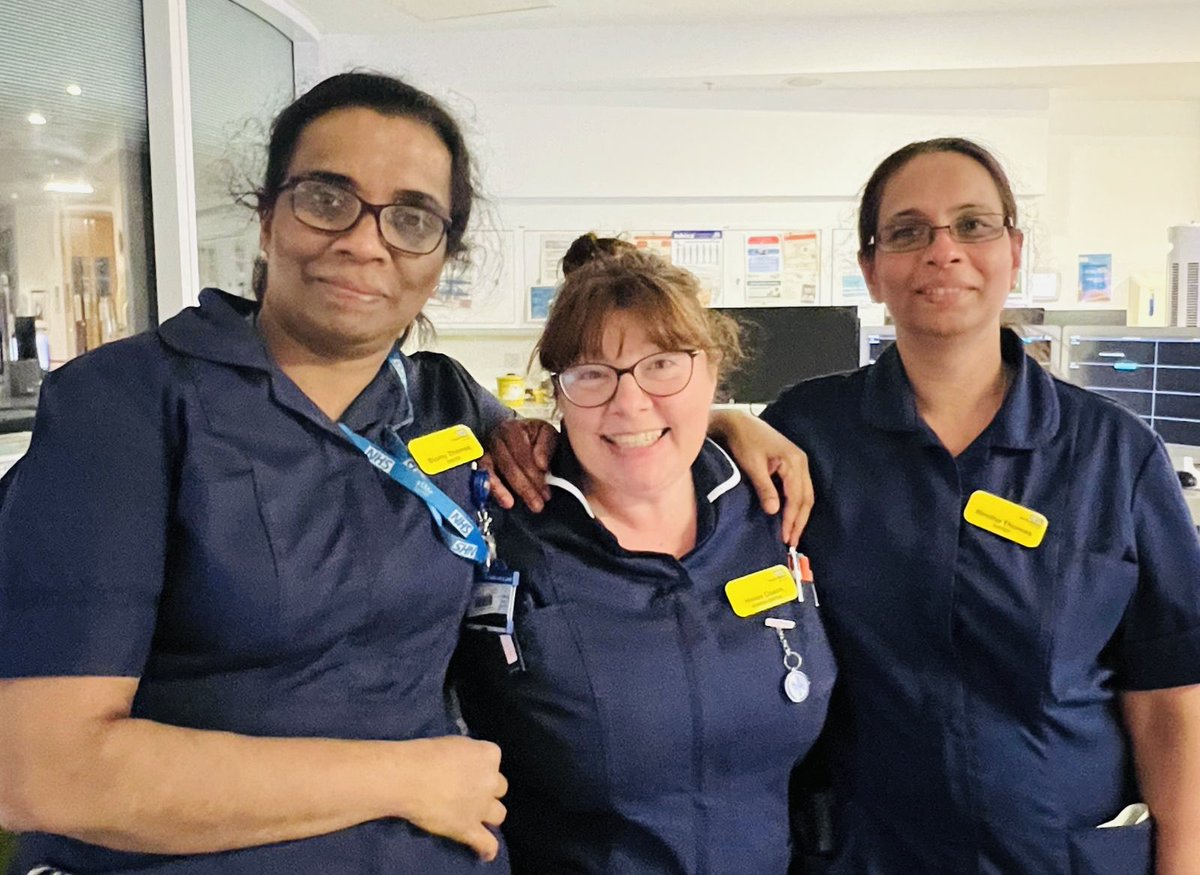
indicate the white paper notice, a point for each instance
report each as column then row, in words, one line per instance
column 701, row 252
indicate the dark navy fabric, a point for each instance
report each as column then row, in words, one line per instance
column 186, row 515
column 976, row 728
column 649, row 731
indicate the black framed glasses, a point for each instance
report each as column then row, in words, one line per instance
column 910, row 235
column 659, row 374
column 334, row 208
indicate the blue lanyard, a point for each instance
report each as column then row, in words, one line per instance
column 466, row 540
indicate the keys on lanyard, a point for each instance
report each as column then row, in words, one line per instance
column 494, row 598
column 796, row 684
column 481, row 491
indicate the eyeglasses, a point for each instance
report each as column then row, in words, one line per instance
column 659, row 374
column 909, row 236
column 328, row 207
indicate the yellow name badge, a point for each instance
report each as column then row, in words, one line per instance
column 761, row 590
column 442, row 450
column 1005, row 518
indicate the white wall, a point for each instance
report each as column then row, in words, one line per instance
column 1120, row 173
column 584, row 129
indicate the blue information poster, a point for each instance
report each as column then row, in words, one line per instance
column 1095, row 278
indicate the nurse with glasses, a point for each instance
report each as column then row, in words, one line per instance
column 224, row 633
column 662, row 678
column 1010, row 577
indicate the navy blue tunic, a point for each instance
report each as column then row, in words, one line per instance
column 186, row 515
column 976, row 729
column 649, row 731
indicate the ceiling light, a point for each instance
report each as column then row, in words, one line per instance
column 13, row 195
column 36, row 118
column 74, row 90
column 802, row 82
column 68, row 187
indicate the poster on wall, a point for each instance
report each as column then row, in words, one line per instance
column 782, row 267
column 658, row 242
column 703, row 253
column 801, row 266
column 1095, row 278
column 482, row 293
column 849, row 285
column 764, row 268
column 538, row 303
column 552, row 246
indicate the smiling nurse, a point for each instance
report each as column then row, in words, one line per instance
column 225, row 635
column 646, row 727
column 999, row 699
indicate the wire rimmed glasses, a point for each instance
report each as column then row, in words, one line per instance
column 910, row 235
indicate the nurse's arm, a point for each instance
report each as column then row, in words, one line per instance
column 763, row 453
column 73, row 762
column 1165, row 728
column 518, row 459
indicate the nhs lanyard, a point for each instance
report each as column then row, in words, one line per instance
column 454, row 526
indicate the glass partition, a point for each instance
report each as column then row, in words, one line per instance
column 241, row 75
column 75, row 267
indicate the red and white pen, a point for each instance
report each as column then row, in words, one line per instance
column 801, row 570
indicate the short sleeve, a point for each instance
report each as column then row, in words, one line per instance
column 1159, row 645
column 84, row 520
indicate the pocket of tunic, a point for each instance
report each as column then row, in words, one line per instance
column 1121, row 850
column 541, row 631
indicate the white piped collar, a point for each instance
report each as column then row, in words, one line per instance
column 732, row 479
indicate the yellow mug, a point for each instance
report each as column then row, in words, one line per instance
column 511, row 390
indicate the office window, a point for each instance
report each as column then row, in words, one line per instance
column 74, row 193
column 241, row 76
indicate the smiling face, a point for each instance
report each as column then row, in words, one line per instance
column 638, row 445
column 348, row 293
column 948, row 289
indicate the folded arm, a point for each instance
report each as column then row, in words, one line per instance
column 74, row 763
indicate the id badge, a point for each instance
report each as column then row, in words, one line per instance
column 493, row 600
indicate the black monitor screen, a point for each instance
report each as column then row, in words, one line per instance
column 787, row 344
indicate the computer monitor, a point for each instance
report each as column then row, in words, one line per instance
column 787, row 344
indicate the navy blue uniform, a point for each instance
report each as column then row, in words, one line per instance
column 977, row 727
column 648, row 731
column 186, row 515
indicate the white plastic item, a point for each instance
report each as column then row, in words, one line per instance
column 1183, row 276
column 1131, row 815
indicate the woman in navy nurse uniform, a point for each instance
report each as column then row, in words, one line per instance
column 1001, row 696
column 224, row 634
column 645, row 726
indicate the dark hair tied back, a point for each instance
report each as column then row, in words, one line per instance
column 589, row 247
column 387, row 96
column 872, row 197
